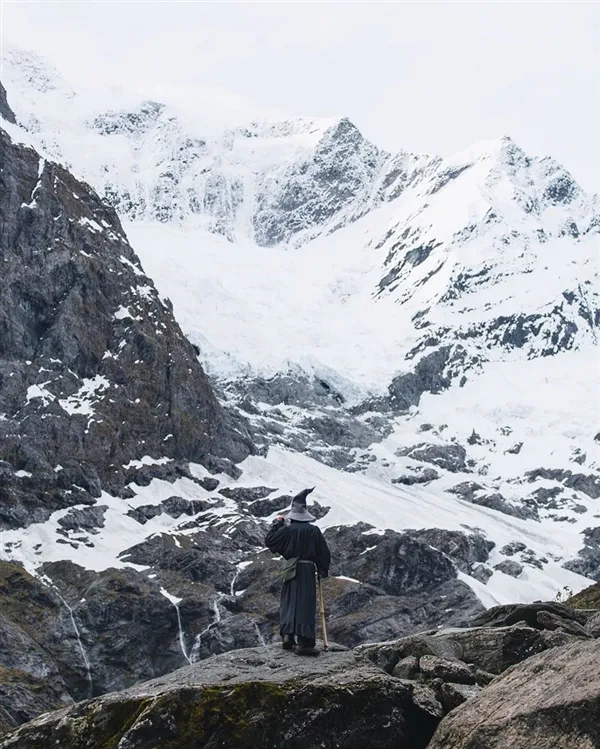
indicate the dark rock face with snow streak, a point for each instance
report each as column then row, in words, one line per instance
column 94, row 370
column 5, row 110
column 317, row 189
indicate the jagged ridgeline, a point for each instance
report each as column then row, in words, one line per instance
column 94, row 370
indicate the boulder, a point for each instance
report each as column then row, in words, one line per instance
column 481, row 572
column 593, row 625
column 491, row 649
column 502, row 616
column 587, row 562
column 548, row 620
column 261, row 697
column 513, row 548
column 549, row 701
column 262, row 508
column 318, row 510
column 144, row 513
column 497, row 502
column 421, row 477
column 452, row 695
column 449, row 457
column 465, row 549
column 586, row 483
column 246, row 494
column 509, row 567
column 177, row 506
column 434, row 667
column 483, row 678
column 406, row 668
column 208, row 483
column 466, row 489
column 86, row 518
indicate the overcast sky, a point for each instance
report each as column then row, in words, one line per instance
column 431, row 77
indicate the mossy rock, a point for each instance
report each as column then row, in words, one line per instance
column 586, row 599
column 371, row 712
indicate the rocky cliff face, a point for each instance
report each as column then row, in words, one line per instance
column 5, row 111
column 94, row 371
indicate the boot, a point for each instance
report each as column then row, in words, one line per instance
column 306, row 646
column 289, row 643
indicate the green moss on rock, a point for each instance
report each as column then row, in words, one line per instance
column 586, row 599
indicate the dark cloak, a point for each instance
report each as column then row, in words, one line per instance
column 298, row 606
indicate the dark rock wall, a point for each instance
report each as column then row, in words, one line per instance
column 94, row 369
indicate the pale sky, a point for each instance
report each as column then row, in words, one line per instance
column 427, row 77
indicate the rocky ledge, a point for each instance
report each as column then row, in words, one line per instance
column 496, row 686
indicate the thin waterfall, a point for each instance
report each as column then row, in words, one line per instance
column 259, row 634
column 195, row 652
column 241, row 566
column 176, row 601
column 84, row 657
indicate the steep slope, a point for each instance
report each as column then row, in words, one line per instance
column 95, row 372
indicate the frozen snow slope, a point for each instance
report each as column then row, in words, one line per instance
column 446, row 308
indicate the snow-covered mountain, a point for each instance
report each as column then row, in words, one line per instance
column 415, row 335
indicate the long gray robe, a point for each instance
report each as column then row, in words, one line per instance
column 298, row 606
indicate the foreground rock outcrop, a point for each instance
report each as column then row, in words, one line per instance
column 551, row 701
column 259, row 697
column 427, row 691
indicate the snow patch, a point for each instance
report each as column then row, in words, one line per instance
column 146, row 460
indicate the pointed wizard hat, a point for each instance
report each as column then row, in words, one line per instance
column 299, row 510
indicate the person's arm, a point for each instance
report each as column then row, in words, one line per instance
column 275, row 538
column 323, row 556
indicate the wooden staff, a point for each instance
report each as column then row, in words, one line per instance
column 322, row 613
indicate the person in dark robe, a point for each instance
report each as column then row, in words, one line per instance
column 306, row 552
